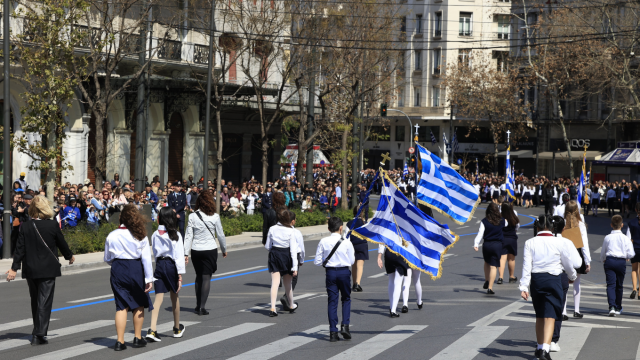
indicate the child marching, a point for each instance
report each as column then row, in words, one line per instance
column 616, row 249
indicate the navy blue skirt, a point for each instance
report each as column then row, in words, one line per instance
column 510, row 246
column 546, row 295
column 280, row 261
column 166, row 275
column 127, row 283
column 491, row 252
column 636, row 258
column 361, row 251
column 393, row 263
column 526, row 196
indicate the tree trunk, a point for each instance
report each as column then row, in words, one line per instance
column 218, row 160
column 265, row 160
column 564, row 136
column 100, row 167
column 302, row 152
column 50, row 182
column 345, row 163
column 495, row 150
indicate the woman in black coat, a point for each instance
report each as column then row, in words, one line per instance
column 37, row 253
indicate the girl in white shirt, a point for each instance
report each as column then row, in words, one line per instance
column 168, row 250
column 572, row 219
column 127, row 251
column 301, row 255
column 283, row 259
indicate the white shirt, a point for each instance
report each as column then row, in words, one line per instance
column 585, row 242
column 494, row 189
column 548, row 254
column 338, row 192
column 281, row 236
column 300, row 241
column 503, row 187
column 120, row 244
column 559, row 211
column 480, row 235
column 252, row 200
column 617, row 245
column 344, row 255
column 163, row 246
column 197, row 236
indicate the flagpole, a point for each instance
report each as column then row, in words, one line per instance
column 415, row 167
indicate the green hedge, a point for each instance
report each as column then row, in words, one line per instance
column 83, row 239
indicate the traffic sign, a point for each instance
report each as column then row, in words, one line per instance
column 459, row 161
column 411, row 150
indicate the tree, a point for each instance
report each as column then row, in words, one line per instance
column 46, row 48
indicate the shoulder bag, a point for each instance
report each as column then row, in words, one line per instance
column 45, row 244
column 335, row 247
column 207, row 226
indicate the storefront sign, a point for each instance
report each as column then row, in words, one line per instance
column 621, row 155
column 482, row 148
column 629, row 145
column 578, row 144
column 529, row 144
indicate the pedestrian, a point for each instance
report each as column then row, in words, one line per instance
column 558, row 227
column 168, row 250
column 595, row 200
column 633, row 233
column 336, row 255
column 270, row 216
column 573, row 220
column 200, row 242
column 509, row 242
column 548, row 198
column 544, row 259
column 491, row 232
column 616, row 249
column 127, row 251
column 611, row 199
column 297, row 235
column 283, row 260
column 36, row 252
column 360, row 246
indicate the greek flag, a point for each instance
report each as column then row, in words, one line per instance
column 477, row 170
column 509, row 175
column 405, row 230
column 405, row 172
column 293, row 168
column 433, row 138
column 582, row 176
column 443, row 189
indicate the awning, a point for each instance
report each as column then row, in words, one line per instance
column 620, row 157
column 576, row 155
column 291, row 154
column 527, row 154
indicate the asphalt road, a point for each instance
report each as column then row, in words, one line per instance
column 458, row 322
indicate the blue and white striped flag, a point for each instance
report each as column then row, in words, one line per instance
column 293, row 169
column 405, row 230
column 433, row 138
column 508, row 175
column 443, row 189
column 405, row 172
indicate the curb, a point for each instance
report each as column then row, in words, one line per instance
column 101, row 264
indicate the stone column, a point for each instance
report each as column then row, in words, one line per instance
column 158, row 155
column 275, row 170
column 246, row 156
column 121, row 157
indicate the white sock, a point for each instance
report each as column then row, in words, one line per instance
column 406, row 285
column 539, row 347
column 545, row 347
column 395, row 287
column 415, row 279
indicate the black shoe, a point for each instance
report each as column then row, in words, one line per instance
column 577, row 315
column 354, row 288
column 513, row 280
column 119, row 346
column 537, row 354
column 393, row 315
column 419, row 306
column 333, row 336
column 405, row 309
column 500, row 281
column 139, row 342
column 291, row 311
column 490, row 292
column 486, row 285
column 178, row 332
column 545, row 355
column 38, row 340
column 344, row 330
column 153, row 336
column 359, row 288
column 273, row 313
column 197, row 310
column 285, row 303
column 203, row 312
column 633, row 294
column 565, row 318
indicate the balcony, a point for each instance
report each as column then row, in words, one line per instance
column 90, row 37
column 170, row 50
column 436, row 72
column 201, row 54
column 424, row 111
column 132, row 43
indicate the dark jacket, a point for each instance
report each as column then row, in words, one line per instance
column 177, row 201
column 37, row 261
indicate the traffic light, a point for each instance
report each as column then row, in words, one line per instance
column 383, row 109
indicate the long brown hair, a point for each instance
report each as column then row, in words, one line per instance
column 206, row 203
column 572, row 215
column 278, row 200
column 134, row 221
column 509, row 214
column 493, row 214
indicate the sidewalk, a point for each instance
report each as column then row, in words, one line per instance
column 237, row 242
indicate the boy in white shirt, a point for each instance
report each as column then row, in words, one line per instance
column 616, row 249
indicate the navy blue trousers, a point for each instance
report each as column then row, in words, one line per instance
column 614, row 270
column 338, row 282
column 181, row 223
column 558, row 325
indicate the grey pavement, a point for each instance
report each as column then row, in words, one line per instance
column 458, row 321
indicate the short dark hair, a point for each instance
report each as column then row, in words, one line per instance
column 616, row 222
column 334, row 224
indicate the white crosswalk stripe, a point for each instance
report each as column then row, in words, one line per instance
column 200, row 341
column 101, row 343
column 573, row 340
column 377, row 275
column 18, row 324
column 13, row 343
column 379, row 343
column 289, row 343
column 267, row 306
column 470, row 344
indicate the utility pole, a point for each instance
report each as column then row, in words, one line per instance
column 355, row 173
column 6, row 199
column 451, row 133
column 207, row 119
column 140, row 121
column 310, row 118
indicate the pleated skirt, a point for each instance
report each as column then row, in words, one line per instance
column 510, row 246
column 546, row 295
column 393, row 263
column 166, row 275
column 127, row 283
column 280, row 261
column 491, row 252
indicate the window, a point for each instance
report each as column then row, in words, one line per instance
column 502, row 57
column 437, row 58
column 504, row 27
column 399, row 133
column 400, row 98
column 424, row 133
column 416, row 95
column 418, row 58
column 403, row 25
column 437, row 26
column 464, row 57
column 419, row 24
column 436, row 96
column 466, row 28
column 401, row 62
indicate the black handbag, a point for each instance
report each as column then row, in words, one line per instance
column 583, row 268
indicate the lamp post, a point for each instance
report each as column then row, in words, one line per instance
column 408, row 119
column 6, row 148
column 207, row 120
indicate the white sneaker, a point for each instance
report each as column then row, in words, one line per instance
column 152, row 336
column 554, row 347
column 612, row 311
column 618, row 312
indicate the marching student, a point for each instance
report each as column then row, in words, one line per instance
column 544, row 259
column 301, row 255
column 491, row 232
column 595, row 200
column 283, row 259
column 360, row 246
column 616, row 249
column 633, row 233
column 336, row 255
column 509, row 242
column 169, row 253
column 558, row 227
column 495, row 192
column 573, row 219
column 127, row 251
column 397, row 272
